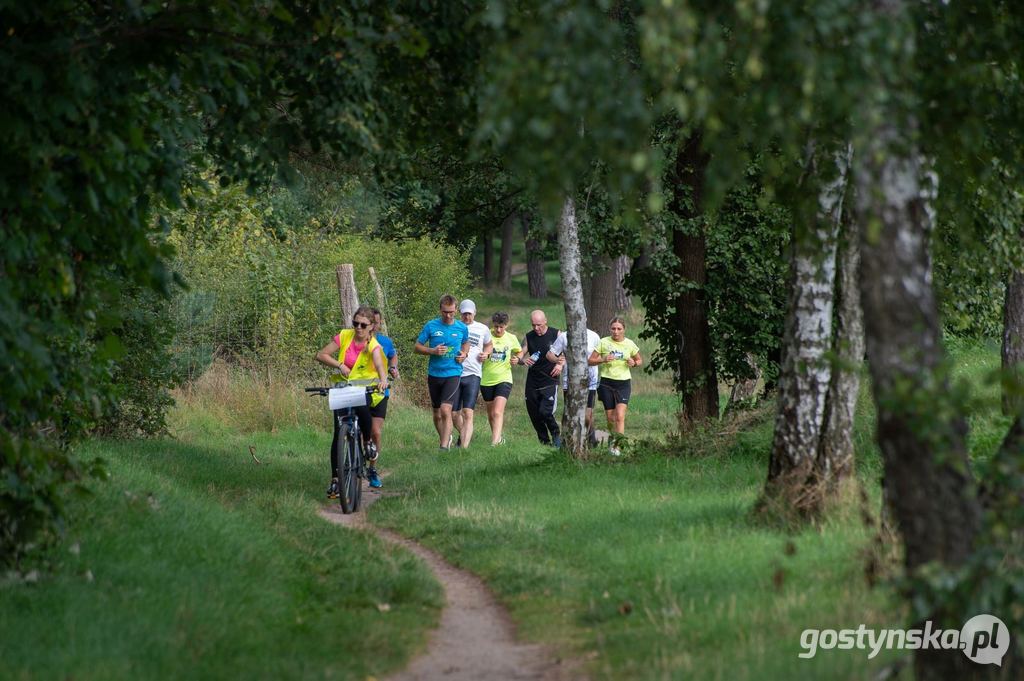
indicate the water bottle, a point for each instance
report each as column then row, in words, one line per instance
column 535, row 356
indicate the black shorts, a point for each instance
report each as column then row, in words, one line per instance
column 443, row 390
column 613, row 392
column 381, row 410
column 489, row 392
column 469, row 388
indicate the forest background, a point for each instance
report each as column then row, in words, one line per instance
column 181, row 181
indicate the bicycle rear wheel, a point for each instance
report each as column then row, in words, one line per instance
column 350, row 463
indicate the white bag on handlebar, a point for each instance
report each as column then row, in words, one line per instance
column 349, row 396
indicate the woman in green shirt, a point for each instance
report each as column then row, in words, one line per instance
column 496, row 378
column 615, row 355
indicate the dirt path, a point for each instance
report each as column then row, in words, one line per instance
column 475, row 640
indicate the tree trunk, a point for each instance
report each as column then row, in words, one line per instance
column 623, row 301
column 696, row 377
column 835, row 454
column 744, row 390
column 805, row 372
column 920, row 430
column 348, row 297
column 505, row 259
column 487, row 242
column 534, row 261
column 601, row 298
column 644, row 259
column 1013, row 344
column 574, row 435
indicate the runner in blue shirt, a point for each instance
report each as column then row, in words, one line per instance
column 446, row 341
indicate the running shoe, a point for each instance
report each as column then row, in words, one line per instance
column 556, row 442
column 614, row 451
column 373, row 478
column 332, row 491
column 499, row 443
column 371, row 452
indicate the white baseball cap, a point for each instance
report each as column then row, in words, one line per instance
column 467, row 306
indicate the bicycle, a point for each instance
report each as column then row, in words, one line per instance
column 351, row 441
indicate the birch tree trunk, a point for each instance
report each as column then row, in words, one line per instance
column 1013, row 342
column 921, row 432
column 534, row 261
column 574, row 434
column 505, row 259
column 805, row 372
column 835, row 454
column 743, row 391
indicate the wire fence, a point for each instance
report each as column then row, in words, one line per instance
column 270, row 330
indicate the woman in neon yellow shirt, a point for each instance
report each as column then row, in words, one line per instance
column 496, row 380
column 615, row 355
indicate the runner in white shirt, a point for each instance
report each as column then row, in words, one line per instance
column 480, row 347
column 558, row 348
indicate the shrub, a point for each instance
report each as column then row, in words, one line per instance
column 266, row 302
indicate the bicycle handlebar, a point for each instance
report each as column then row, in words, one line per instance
column 370, row 383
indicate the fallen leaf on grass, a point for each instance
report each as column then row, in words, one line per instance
column 384, row 607
column 252, row 453
column 625, row 608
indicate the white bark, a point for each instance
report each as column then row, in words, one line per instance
column 574, row 435
column 805, row 373
column 835, row 456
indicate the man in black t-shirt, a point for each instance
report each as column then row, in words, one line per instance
column 542, row 379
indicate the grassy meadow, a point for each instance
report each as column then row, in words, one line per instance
column 193, row 560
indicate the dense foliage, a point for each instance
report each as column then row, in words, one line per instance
column 746, row 286
column 265, row 300
column 107, row 107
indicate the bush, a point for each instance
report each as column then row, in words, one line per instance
column 266, row 302
column 141, row 379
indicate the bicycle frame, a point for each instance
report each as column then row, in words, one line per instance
column 350, row 471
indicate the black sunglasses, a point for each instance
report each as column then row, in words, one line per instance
column 361, row 325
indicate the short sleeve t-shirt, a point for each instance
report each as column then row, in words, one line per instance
column 623, row 350
column 435, row 333
column 479, row 336
column 498, row 368
column 559, row 347
column 387, row 346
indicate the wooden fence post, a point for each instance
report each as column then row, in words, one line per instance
column 347, row 294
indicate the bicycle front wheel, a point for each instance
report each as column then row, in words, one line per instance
column 349, row 479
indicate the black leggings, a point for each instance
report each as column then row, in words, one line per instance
column 365, row 424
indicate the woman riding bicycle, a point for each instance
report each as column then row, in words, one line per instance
column 615, row 355
column 356, row 355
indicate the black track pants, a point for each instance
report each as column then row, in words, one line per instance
column 540, row 405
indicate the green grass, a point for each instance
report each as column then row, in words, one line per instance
column 649, row 567
column 195, row 562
